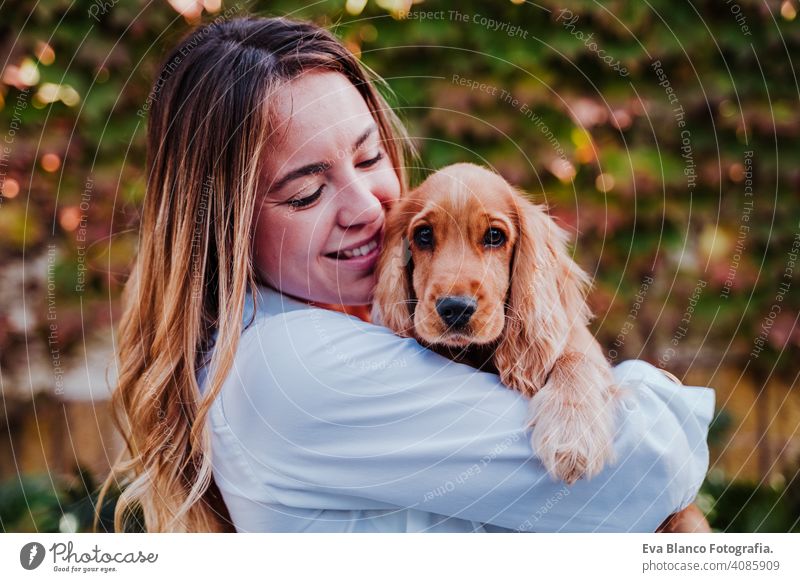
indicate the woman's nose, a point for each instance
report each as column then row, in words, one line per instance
column 358, row 204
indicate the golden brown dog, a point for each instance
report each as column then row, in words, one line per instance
column 489, row 281
column 474, row 270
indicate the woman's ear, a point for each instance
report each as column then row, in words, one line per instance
column 393, row 299
column 547, row 298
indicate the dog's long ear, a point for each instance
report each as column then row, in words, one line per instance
column 393, row 299
column 547, row 298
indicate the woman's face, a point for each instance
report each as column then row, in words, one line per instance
column 319, row 224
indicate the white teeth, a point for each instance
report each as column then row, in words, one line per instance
column 360, row 251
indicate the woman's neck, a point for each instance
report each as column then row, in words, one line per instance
column 363, row 312
column 360, row 311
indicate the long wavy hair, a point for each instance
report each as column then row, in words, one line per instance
column 209, row 122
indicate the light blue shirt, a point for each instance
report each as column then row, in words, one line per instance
column 329, row 424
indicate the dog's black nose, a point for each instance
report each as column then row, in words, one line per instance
column 456, row 311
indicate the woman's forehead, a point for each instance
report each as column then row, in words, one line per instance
column 318, row 105
column 315, row 117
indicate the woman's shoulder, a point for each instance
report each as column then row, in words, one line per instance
column 314, row 330
column 267, row 308
column 309, row 374
column 316, row 354
column 293, row 330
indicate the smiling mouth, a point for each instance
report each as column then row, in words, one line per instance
column 361, row 251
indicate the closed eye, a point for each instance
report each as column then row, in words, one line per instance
column 370, row 162
column 308, row 200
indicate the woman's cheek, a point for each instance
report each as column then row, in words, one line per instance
column 310, row 232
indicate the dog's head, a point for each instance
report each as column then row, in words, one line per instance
column 470, row 260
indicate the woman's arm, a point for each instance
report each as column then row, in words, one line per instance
column 330, row 412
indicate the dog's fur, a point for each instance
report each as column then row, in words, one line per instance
column 531, row 316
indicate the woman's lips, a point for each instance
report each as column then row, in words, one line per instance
column 363, row 250
column 360, row 258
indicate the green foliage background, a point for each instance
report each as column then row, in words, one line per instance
column 621, row 187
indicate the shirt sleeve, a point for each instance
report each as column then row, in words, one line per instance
column 329, row 412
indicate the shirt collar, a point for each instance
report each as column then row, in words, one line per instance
column 269, row 302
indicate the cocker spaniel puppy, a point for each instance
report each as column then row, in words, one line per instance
column 474, row 270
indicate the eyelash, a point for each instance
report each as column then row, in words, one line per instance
column 308, row 200
column 371, row 162
column 301, row 202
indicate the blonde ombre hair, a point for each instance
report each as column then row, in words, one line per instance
column 209, row 122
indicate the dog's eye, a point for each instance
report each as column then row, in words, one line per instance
column 494, row 237
column 423, row 237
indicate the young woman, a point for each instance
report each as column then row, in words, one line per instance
column 250, row 396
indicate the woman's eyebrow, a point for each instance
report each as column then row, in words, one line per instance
column 320, row 167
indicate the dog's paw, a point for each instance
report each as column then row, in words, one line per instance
column 573, row 431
